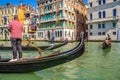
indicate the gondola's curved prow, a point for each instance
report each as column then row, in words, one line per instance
column 31, row 65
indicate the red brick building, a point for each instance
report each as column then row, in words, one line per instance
column 66, row 17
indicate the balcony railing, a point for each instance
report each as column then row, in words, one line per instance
column 104, row 19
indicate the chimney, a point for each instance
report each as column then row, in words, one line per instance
column 20, row 3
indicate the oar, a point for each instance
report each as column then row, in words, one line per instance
column 39, row 50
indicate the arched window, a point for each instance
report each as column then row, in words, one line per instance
column 91, row 16
column 55, row 33
column 99, row 14
column 104, row 14
column 60, row 33
column 65, row 33
column 114, row 12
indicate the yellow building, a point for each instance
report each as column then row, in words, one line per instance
column 7, row 13
column 21, row 13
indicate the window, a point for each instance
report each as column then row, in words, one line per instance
column 12, row 10
column 103, row 25
column 55, row 6
column 91, row 27
column 61, row 4
column 65, row 33
column 16, row 11
column 90, row 33
column 114, row 24
column 114, row 12
column 5, row 12
column 90, row 4
column 90, row 16
column 54, row 24
column 43, row 3
column 114, row 33
column 64, row 24
column 99, row 14
column 103, row 33
column 99, row 26
column 54, row 15
column 8, row 11
column 73, row 26
column 60, row 33
column 50, row 0
column 61, row 23
column 99, row 33
column 104, row 14
column 69, row 25
column 99, row 2
column 2, row 12
column 46, row 2
column 104, row 1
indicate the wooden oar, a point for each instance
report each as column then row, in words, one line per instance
column 31, row 44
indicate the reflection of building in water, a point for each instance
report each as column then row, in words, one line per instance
column 104, row 18
column 66, row 17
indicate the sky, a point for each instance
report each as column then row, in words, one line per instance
column 16, row 2
column 86, row 1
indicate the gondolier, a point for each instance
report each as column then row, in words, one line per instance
column 15, row 28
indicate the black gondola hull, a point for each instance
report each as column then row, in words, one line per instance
column 30, row 65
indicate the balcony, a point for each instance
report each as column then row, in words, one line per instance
column 44, row 21
column 103, row 19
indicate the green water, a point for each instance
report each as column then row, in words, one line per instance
column 94, row 64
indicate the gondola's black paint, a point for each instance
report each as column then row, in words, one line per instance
column 31, row 65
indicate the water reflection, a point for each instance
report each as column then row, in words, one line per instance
column 20, row 76
column 106, row 51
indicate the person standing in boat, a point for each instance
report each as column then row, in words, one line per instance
column 53, row 36
column 16, row 28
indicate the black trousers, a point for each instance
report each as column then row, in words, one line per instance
column 16, row 47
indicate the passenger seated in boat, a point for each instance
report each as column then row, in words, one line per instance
column 106, row 42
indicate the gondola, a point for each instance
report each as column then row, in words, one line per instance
column 49, row 47
column 105, row 46
column 31, row 65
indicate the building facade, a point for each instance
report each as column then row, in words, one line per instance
column 104, row 18
column 6, row 15
column 66, row 17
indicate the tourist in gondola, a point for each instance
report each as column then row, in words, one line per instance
column 16, row 28
column 107, row 42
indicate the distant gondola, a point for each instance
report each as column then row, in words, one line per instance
column 105, row 45
column 31, row 65
column 33, row 48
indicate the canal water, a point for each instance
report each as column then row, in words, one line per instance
column 94, row 64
